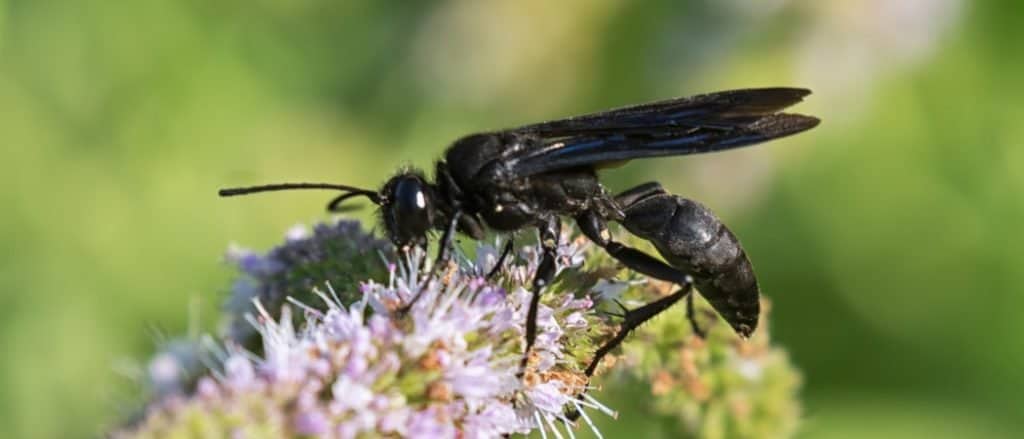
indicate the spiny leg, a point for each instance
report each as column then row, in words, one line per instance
column 550, row 231
column 633, row 319
column 594, row 228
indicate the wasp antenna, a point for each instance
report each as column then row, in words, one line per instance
column 335, row 204
column 230, row 192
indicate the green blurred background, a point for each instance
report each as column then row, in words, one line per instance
column 889, row 238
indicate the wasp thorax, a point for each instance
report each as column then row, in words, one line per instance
column 408, row 209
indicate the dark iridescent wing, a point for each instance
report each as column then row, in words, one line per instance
column 690, row 125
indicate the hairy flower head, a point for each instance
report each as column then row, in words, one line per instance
column 321, row 342
column 448, row 365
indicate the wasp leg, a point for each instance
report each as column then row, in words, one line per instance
column 594, row 227
column 692, row 317
column 446, row 244
column 440, row 263
column 501, row 259
column 635, row 318
column 549, row 235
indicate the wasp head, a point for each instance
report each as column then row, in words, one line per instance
column 408, row 209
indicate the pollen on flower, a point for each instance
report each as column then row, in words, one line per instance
column 572, row 383
column 439, row 391
column 431, row 360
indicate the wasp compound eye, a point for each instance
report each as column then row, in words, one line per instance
column 411, row 210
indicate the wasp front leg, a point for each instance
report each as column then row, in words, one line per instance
column 509, row 245
column 444, row 249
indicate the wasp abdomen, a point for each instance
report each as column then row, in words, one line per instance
column 690, row 237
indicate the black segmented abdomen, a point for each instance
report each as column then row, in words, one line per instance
column 694, row 240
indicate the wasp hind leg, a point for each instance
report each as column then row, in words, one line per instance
column 634, row 318
column 595, row 228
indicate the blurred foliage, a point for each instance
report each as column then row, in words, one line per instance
column 887, row 238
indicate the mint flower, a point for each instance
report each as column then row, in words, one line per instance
column 341, row 254
column 317, row 343
column 448, row 366
column 718, row 386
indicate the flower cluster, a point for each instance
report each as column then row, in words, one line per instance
column 340, row 254
column 718, row 386
column 331, row 348
column 448, row 365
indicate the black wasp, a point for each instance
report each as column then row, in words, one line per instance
column 534, row 175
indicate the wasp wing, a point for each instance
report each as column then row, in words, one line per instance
column 690, row 125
